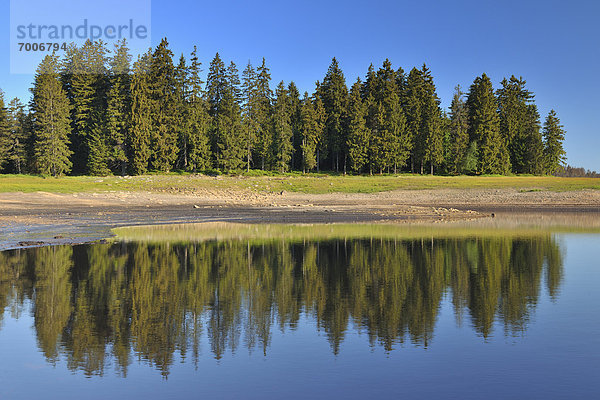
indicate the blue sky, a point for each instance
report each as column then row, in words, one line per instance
column 554, row 45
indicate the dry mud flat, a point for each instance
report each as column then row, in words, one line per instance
column 33, row 219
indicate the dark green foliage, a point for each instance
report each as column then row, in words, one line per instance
column 249, row 109
column 263, row 115
column 519, row 125
column 196, row 148
column 118, row 109
column 85, row 80
column 4, row 132
column 16, row 138
column 310, row 131
column 414, row 94
column 484, row 128
column 389, row 130
column 358, row 133
column 141, row 115
column 554, row 136
column 227, row 132
column 160, row 116
column 282, row 129
column 164, row 132
column 459, row 132
column 334, row 93
column 296, row 124
column 51, row 122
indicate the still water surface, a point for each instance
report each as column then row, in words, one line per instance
column 472, row 316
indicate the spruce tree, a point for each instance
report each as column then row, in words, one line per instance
column 4, row 132
column 282, row 129
column 141, row 114
column 296, row 124
column 197, row 118
column 484, row 128
column 321, row 126
column 459, row 132
column 249, row 108
column 414, row 95
column 17, row 137
column 309, row 131
column 164, row 124
column 381, row 138
column 431, row 125
column 397, row 150
column 554, row 136
column 358, row 133
column 118, row 108
column 51, row 117
column 533, row 133
column 227, row 132
column 263, row 115
column 519, row 124
column 85, row 80
column 334, row 93
column 180, row 108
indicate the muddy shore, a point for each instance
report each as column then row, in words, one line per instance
column 35, row 219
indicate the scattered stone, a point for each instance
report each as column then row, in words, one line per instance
column 196, row 206
column 30, row 243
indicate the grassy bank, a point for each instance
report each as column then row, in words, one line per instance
column 258, row 233
column 313, row 183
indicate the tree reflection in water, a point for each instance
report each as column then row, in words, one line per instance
column 101, row 302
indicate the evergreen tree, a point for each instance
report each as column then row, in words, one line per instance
column 432, row 119
column 4, row 132
column 554, row 136
column 414, row 95
column 84, row 78
column 296, row 124
column 164, row 133
column 118, row 108
column 358, row 133
column 263, row 114
column 141, row 114
column 310, row 133
column 249, row 108
column 180, row 108
column 198, row 120
column 51, row 118
column 397, row 150
column 381, row 141
column 484, row 128
column 459, row 132
column 223, row 89
column 17, row 136
column 535, row 154
column 334, row 94
column 519, row 124
column 321, row 125
column 282, row 138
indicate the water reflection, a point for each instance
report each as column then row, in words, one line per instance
column 104, row 304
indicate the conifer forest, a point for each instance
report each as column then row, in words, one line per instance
column 95, row 111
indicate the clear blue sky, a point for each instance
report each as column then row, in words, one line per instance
column 554, row 45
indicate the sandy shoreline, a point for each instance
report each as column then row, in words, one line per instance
column 33, row 219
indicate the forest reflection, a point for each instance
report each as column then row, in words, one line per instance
column 113, row 304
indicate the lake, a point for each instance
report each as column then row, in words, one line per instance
column 304, row 312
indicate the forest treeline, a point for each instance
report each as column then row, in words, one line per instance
column 93, row 112
column 112, row 304
column 569, row 171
